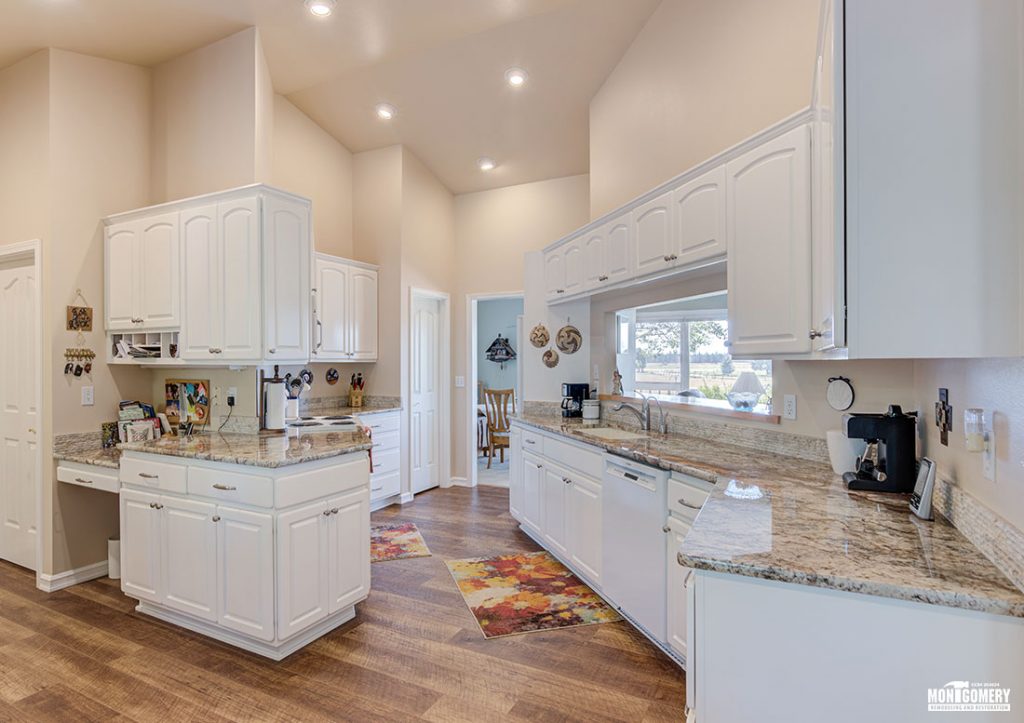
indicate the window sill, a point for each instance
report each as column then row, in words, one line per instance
column 712, row 407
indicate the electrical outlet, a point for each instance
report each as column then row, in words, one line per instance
column 88, row 396
column 460, row 382
column 789, row 406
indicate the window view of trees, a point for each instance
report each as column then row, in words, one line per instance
column 690, row 356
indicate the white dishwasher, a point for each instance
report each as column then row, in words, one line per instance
column 634, row 543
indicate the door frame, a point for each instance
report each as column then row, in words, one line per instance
column 444, row 401
column 24, row 250
column 471, row 367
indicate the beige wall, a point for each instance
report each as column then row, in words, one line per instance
column 309, row 162
column 210, row 125
column 24, row 148
column 700, row 76
column 493, row 231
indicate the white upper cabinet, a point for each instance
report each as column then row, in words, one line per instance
column 572, row 262
column 699, row 219
column 652, row 233
column 286, row 279
column 769, row 247
column 594, row 249
column 554, row 273
column 230, row 272
column 344, row 310
column 618, row 247
column 142, row 265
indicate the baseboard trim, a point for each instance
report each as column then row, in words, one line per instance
column 274, row 651
column 406, row 498
column 61, row 580
column 460, row 482
column 384, row 502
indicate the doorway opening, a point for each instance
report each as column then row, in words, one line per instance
column 429, row 395
column 495, row 383
column 20, row 404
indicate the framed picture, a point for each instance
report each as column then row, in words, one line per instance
column 187, row 401
column 79, row 318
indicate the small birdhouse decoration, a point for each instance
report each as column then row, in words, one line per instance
column 500, row 351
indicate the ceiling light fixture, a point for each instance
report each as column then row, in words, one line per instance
column 385, row 111
column 486, row 164
column 515, row 77
column 321, row 8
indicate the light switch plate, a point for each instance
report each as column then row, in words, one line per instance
column 460, row 382
column 88, row 396
column 789, row 406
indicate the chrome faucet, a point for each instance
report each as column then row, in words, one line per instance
column 643, row 414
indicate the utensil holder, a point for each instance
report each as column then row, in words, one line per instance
column 355, row 398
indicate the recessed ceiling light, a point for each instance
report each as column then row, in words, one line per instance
column 321, row 8
column 515, row 77
column 386, row 111
column 486, row 164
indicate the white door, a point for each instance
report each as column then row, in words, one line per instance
column 286, row 279
column 652, row 234
column 572, row 261
column 618, row 248
column 120, row 250
column 141, row 546
column 584, row 526
column 533, row 472
column 594, row 259
column 238, row 228
column 349, row 546
column 302, row 568
column 202, row 328
column 554, row 273
column 676, row 577
column 332, row 300
column 554, row 484
column 190, row 557
column 769, row 242
column 515, row 474
column 158, row 272
column 19, row 418
column 424, row 416
column 245, row 572
column 699, row 218
column 363, row 314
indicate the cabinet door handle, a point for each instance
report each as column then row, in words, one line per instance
column 215, row 518
column 602, row 278
column 666, row 529
column 152, row 505
column 559, row 291
column 567, row 480
column 815, row 334
column 334, row 510
column 219, row 486
column 327, row 513
column 684, row 503
column 83, row 481
column 147, row 475
column 271, row 351
column 157, row 506
column 320, row 335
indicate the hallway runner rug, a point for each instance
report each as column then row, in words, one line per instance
column 526, row 593
column 396, row 542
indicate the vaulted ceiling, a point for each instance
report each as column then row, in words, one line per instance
column 441, row 63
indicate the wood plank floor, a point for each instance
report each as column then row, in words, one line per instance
column 412, row 653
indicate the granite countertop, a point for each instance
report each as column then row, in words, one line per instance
column 85, row 449
column 791, row 520
column 266, row 449
column 363, row 411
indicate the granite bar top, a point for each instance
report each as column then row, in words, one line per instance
column 791, row 520
column 85, row 449
column 266, row 449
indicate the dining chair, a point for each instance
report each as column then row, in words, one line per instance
column 499, row 421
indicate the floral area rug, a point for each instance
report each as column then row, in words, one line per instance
column 525, row 593
column 395, row 542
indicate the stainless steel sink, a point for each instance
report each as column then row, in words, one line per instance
column 611, row 433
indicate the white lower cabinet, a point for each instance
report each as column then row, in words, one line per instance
column 553, row 507
column 515, row 474
column 676, row 575
column 533, row 478
column 255, row 578
column 583, row 523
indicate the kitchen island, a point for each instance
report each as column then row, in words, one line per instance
column 260, row 541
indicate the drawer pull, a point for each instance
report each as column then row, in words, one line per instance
column 156, row 506
column 602, row 278
column 334, row 510
column 147, row 475
column 327, row 513
column 229, row 488
column 529, row 441
column 215, row 518
column 377, row 489
column 666, row 529
column 684, row 503
column 567, row 480
column 83, row 481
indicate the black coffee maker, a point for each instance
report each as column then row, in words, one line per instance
column 889, row 462
column 572, row 399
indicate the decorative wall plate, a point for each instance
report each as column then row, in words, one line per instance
column 839, row 393
column 540, row 336
column 569, row 339
column 332, row 376
column 550, row 358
